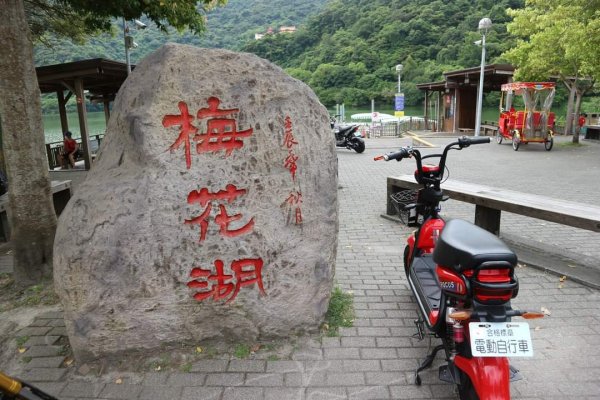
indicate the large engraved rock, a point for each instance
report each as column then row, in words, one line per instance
column 210, row 212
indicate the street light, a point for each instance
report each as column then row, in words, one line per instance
column 399, row 68
column 128, row 39
column 484, row 25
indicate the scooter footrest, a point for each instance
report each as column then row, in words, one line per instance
column 445, row 374
column 515, row 375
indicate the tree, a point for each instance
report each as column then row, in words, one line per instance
column 558, row 38
column 30, row 198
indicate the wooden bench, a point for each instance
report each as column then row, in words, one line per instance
column 61, row 193
column 489, row 202
column 489, row 130
column 466, row 131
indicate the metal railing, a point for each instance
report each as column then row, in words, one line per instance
column 397, row 128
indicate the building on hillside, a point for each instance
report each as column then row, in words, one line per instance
column 271, row 31
column 287, row 29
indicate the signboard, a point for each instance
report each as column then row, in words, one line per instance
column 399, row 106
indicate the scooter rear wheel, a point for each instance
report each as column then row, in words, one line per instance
column 466, row 390
column 358, row 145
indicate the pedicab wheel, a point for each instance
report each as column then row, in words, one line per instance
column 498, row 138
column 516, row 141
column 548, row 143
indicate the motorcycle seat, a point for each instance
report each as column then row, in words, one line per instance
column 463, row 246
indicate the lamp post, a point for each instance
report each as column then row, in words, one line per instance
column 128, row 40
column 399, row 106
column 484, row 25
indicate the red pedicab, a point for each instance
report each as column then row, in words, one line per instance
column 535, row 123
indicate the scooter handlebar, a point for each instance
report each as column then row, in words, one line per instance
column 466, row 141
column 398, row 155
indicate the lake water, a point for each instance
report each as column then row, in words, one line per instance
column 53, row 131
column 97, row 125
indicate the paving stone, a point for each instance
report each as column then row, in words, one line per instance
column 284, row 393
column 43, row 351
column 361, row 365
column 41, row 340
column 225, row 379
column 155, row 379
column 358, row 341
column 160, row 392
column 210, row 366
column 186, row 379
column 331, row 342
column 201, row 393
column 124, row 391
column 243, row 393
column 283, row 366
column 341, row 353
column 385, row 378
column 51, row 315
column 52, row 388
column 264, row 379
column 82, row 389
column 410, row 392
column 246, row 366
column 43, row 374
column 40, row 322
column 56, row 322
column 45, row 362
column 58, row 330
column 326, row 393
column 369, row 393
column 345, row 379
column 34, row 331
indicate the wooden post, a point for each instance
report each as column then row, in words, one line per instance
column 426, row 109
column 83, row 125
column 106, row 103
column 62, row 111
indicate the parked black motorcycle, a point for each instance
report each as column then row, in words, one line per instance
column 348, row 136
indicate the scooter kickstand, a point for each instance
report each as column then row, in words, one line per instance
column 420, row 328
column 427, row 363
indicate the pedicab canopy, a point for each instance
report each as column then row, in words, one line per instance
column 519, row 86
column 210, row 212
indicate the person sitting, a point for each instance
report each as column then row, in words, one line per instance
column 70, row 151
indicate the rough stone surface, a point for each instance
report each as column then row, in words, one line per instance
column 124, row 254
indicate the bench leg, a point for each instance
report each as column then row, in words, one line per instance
column 488, row 219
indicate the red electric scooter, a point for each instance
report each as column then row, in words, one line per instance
column 463, row 278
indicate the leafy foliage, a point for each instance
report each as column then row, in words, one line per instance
column 348, row 52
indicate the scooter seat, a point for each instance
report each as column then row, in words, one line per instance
column 463, row 246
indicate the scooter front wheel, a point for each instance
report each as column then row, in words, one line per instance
column 405, row 259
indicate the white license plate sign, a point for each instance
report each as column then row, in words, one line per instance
column 500, row 339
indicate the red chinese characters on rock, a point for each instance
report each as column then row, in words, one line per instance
column 289, row 142
column 204, row 198
column 294, row 200
column 223, row 286
column 221, row 132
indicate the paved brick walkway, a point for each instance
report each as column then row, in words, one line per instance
column 376, row 358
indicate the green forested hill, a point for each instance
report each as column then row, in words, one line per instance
column 228, row 27
column 348, row 52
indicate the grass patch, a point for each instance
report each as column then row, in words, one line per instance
column 187, row 367
column 241, row 351
column 21, row 340
column 340, row 312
